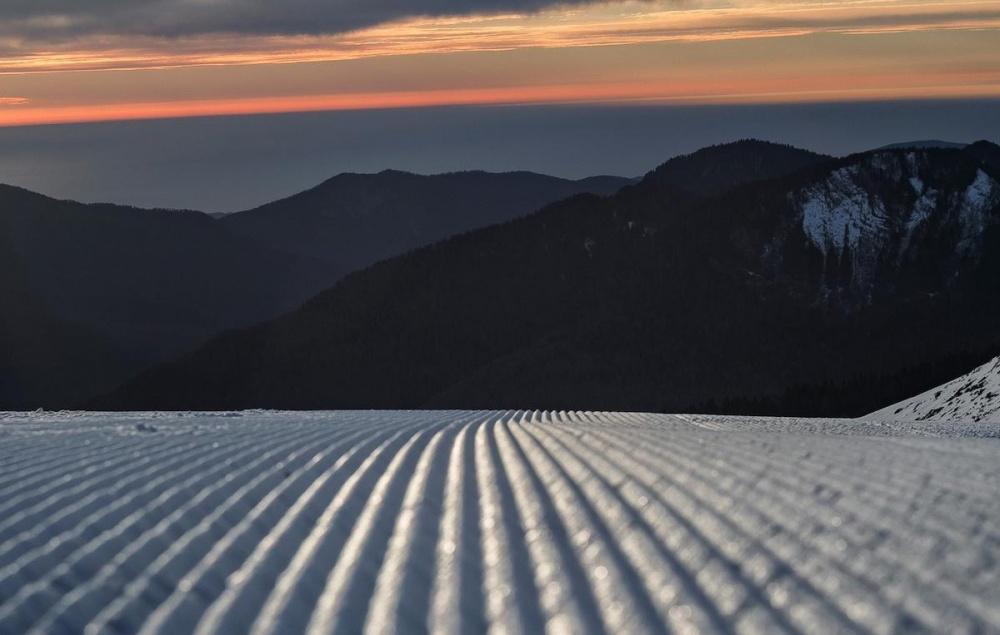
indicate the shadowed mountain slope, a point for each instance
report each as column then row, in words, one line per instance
column 652, row 299
column 98, row 292
column 136, row 285
column 354, row 220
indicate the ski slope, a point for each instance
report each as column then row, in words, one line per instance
column 459, row 522
column 975, row 396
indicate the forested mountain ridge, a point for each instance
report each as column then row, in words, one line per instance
column 354, row 220
column 654, row 299
column 96, row 292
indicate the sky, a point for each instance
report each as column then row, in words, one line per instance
column 103, row 60
column 223, row 104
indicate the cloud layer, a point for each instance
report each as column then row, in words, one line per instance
column 183, row 58
column 625, row 22
column 58, row 19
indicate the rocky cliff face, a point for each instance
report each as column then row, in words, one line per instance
column 889, row 222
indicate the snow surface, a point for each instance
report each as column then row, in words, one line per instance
column 973, row 397
column 459, row 522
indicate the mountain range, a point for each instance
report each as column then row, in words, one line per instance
column 354, row 220
column 96, row 293
column 748, row 276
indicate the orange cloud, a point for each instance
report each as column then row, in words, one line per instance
column 752, row 90
column 603, row 25
column 13, row 101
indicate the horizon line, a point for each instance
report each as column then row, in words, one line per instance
column 22, row 115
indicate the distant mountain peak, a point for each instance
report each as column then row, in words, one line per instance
column 923, row 144
column 354, row 220
column 983, row 144
column 985, row 151
column 715, row 169
column 394, row 172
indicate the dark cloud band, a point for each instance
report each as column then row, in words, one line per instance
column 55, row 19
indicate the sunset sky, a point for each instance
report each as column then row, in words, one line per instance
column 103, row 60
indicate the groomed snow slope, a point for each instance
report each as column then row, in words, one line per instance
column 975, row 396
column 458, row 521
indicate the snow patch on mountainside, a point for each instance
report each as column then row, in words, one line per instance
column 837, row 212
column 922, row 211
column 874, row 211
column 973, row 397
column 980, row 197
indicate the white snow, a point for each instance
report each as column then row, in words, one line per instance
column 978, row 201
column 923, row 208
column 973, row 397
column 838, row 212
column 979, row 194
column 459, row 522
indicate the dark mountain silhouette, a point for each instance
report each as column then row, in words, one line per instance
column 985, row 151
column 653, row 299
column 128, row 286
column 95, row 293
column 354, row 220
column 715, row 169
column 40, row 355
column 923, row 144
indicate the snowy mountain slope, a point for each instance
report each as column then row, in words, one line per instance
column 886, row 213
column 974, row 396
column 459, row 521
